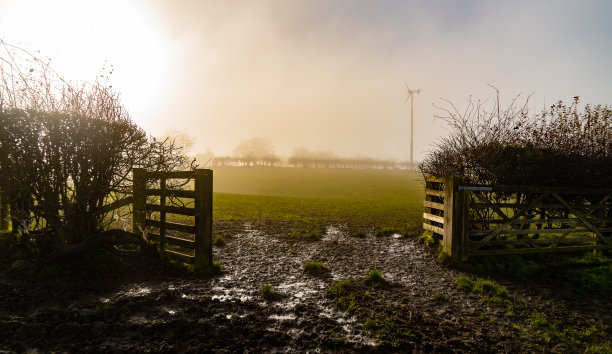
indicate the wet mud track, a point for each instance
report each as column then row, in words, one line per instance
column 145, row 307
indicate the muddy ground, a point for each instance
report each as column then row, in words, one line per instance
column 142, row 305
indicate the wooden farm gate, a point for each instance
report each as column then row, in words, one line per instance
column 495, row 220
column 188, row 240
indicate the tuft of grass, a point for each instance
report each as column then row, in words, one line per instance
column 488, row 289
column 438, row 297
column 428, row 238
column 219, row 240
column 375, row 278
column 359, row 234
column 317, row 269
column 387, row 328
column 343, row 293
column 385, row 232
column 211, row 270
column 603, row 348
column 309, row 232
column 267, row 292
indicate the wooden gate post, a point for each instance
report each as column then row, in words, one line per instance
column 203, row 217
column 139, row 215
column 4, row 213
column 455, row 218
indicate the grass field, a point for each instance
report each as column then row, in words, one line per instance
column 371, row 199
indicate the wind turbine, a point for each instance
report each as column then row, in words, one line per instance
column 411, row 97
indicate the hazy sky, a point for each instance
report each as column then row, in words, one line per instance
column 319, row 74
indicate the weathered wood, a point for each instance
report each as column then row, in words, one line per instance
column 172, row 209
column 582, row 218
column 4, row 213
column 171, row 174
column 139, row 200
column 162, row 216
column 536, row 250
column 181, row 257
column 533, row 231
column 438, row 230
column 435, row 193
column 433, row 205
column 509, row 222
column 540, row 221
column 538, row 206
column 203, row 217
column 545, row 189
column 188, row 229
column 180, row 242
column 179, row 193
column 116, row 205
column 575, row 221
column 536, row 241
column 434, row 218
column 435, row 179
column 455, row 216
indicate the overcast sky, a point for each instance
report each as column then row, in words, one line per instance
column 326, row 74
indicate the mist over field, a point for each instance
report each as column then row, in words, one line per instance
column 323, row 75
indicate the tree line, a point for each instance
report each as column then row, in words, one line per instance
column 259, row 152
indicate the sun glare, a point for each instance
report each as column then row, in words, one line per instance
column 82, row 37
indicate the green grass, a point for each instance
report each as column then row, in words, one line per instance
column 489, row 290
column 317, row 269
column 267, row 292
column 375, row 278
column 375, row 199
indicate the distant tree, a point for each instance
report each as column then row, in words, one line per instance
column 179, row 139
column 66, row 149
column 256, row 152
column 205, row 159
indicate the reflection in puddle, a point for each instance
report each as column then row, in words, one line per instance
column 285, row 317
column 138, row 291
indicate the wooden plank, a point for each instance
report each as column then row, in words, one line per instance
column 531, row 231
column 537, row 241
column 203, row 218
column 116, row 205
column 438, row 230
column 181, row 257
column 433, row 205
column 172, row 209
column 544, row 189
column 434, row 179
column 171, row 174
column 435, row 218
column 180, row 193
column 139, row 200
column 434, row 192
column 4, row 213
column 162, row 215
column 540, row 221
column 517, row 206
column 172, row 226
column 536, row 250
column 181, row 242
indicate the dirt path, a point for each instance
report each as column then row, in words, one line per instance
column 147, row 308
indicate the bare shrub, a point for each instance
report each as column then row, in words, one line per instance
column 67, row 149
column 494, row 145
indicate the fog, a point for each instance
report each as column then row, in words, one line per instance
column 330, row 74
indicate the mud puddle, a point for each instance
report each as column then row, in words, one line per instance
column 145, row 307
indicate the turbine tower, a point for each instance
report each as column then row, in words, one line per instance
column 411, row 97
